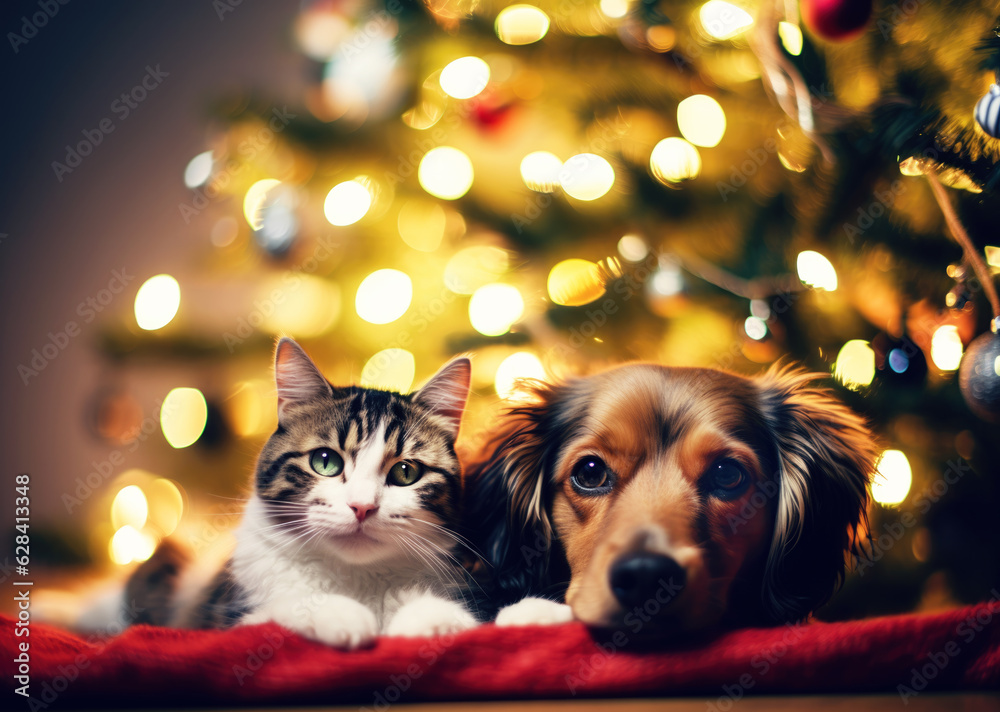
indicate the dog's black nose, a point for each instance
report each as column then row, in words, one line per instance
column 638, row 578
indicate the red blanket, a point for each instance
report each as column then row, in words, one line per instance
column 265, row 664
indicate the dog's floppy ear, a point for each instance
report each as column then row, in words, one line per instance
column 507, row 499
column 826, row 457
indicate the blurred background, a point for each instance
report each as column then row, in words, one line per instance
column 553, row 187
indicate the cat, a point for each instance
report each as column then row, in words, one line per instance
column 349, row 532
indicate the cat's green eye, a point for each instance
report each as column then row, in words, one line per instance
column 326, row 462
column 404, row 474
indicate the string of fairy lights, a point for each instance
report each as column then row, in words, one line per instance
column 147, row 508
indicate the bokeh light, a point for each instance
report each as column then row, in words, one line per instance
column 791, row 38
column 540, row 171
column 253, row 201
column 157, row 302
column 199, row 170
column 299, row 305
column 422, row 224
column 472, row 267
column 674, row 160
column 465, row 77
column 384, row 296
column 129, row 544
column 614, row 9
column 521, row 24
column 575, row 282
column 494, row 308
column 755, row 327
column 250, row 408
column 390, row 370
column 166, row 505
column 723, row 20
column 893, row 478
column 445, row 173
column 129, row 507
column 517, row 366
column 855, row 365
column 346, row 203
column 701, row 120
column 946, row 348
column 633, row 248
column 183, row 416
column 587, row 176
column 816, row 270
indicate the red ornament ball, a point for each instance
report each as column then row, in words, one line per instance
column 836, row 20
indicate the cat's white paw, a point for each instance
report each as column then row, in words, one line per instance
column 534, row 611
column 335, row 620
column 344, row 627
column 428, row 615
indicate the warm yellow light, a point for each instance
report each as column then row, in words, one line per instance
column 791, row 37
column 633, row 248
column 521, row 24
column 250, row 408
column 586, row 176
column 755, row 327
column 614, row 8
column 993, row 256
column 299, row 305
column 346, row 203
column 183, row 416
column 575, row 282
column 253, row 202
column 422, row 224
column 129, row 544
column 517, row 366
column 465, row 77
column 701, row 120
column 946, row 348
column 129, row 507
column 157, row 302
column 445, row 173
column 893, row 478
column 723, row 20
column 494, row 308
column 540, row 171
column 855, row 365
column 674, row 160
column 473, row 267
column 390, row 370
column 166, row 505
column 199, row 170
column 816, row 270
column 384, row 296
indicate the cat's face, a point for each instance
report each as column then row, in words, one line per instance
column 361, row 474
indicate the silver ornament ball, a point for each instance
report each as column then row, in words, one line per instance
column 979, row 375
column 988, row 111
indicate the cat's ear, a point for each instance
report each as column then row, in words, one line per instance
column 297, row 378
column 446, row 392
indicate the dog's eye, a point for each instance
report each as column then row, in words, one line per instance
column 591, row 476
column 726, row 479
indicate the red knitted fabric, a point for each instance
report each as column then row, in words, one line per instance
column 261, row 665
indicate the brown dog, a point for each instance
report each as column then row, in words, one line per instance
column 672, row 499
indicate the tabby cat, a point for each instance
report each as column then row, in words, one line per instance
column 349, row 531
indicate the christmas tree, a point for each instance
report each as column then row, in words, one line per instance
column 564, row 185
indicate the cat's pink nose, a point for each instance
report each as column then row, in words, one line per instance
column 363, row 510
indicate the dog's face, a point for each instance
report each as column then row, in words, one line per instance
column 683, row 496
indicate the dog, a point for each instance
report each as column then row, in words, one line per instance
column 671, row 499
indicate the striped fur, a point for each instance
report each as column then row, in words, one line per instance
column 344, row 555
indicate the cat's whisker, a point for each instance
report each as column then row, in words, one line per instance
column 456, row 536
